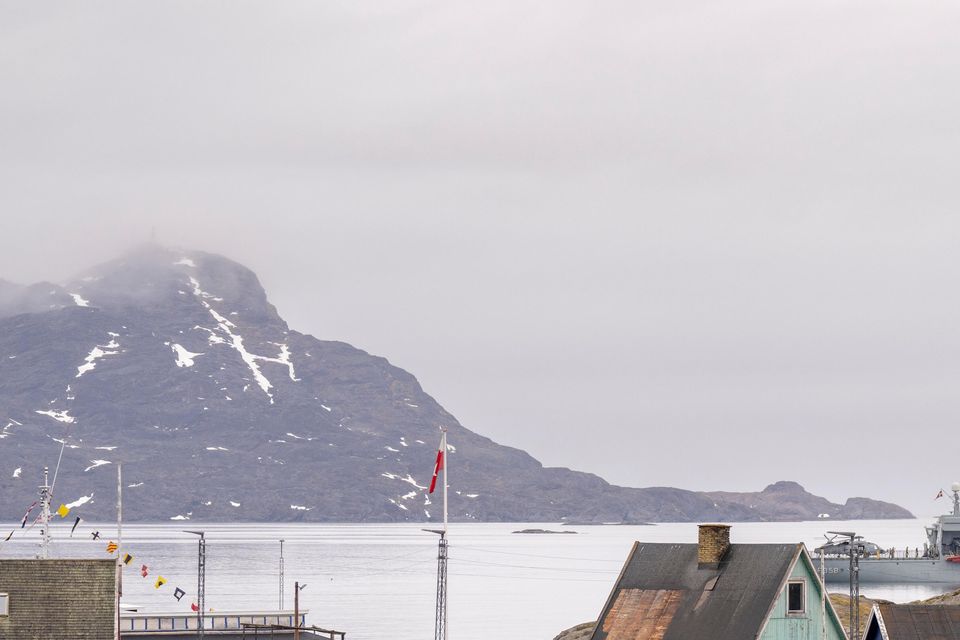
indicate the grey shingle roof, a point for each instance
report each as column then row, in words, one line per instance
column 661, row 593
column 921, row 621
column 59, row 598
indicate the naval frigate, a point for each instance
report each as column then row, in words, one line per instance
column 938, row 561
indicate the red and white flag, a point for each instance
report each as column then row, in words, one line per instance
column 437, row 468
column 23, row 522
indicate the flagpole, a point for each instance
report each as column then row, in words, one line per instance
column 446, row 463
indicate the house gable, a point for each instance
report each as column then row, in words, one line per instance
column 873, row 631
column 782, row 623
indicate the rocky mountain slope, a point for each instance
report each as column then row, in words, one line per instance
column 176, row 365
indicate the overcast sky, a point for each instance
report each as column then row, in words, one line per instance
column 688, row 243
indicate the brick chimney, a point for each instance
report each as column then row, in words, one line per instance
column 712, row 545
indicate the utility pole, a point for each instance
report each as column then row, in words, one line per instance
column 296, row 609
column 281, row 574
column 201, row 578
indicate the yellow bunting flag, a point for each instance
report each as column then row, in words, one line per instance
column 127, row 558
column 111, row 547
column 63, row 511
column 160, row 582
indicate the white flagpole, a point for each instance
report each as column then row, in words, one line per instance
column 446, row 463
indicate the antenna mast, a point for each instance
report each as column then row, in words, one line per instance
column 45, row 494
column 201, row 578
column 855, row 549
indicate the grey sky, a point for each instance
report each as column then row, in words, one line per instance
column 679, row 243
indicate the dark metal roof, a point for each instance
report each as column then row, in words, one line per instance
column 921, row 621
column 661, row 593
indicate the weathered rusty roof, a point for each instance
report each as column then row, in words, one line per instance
column 661, row 593
column 920, row 621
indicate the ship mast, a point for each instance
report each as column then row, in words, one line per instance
column 955, row 487
column 45, row 493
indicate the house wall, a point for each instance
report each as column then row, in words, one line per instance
column 58, row 599
column 807, row 626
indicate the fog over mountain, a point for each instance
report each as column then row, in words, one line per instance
column 717, row 237
column 176, row 365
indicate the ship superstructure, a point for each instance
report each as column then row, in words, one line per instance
column 937, row 561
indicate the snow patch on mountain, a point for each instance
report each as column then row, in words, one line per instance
column 184, row 357
column 99, row 351
column 59, row 416
column 187, row 262
column 227, row 327
column 97, row 463
column 79, row 301
column 398, row 504
column 79, row 502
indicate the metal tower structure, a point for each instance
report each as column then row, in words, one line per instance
column 201, row 578
column 45, row 494
column 440, row 624
column 854, row 611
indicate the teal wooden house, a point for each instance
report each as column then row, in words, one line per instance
column 714, row 590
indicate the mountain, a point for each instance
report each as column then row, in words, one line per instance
column 176, row 364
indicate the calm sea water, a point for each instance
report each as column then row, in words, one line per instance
column 378, row 581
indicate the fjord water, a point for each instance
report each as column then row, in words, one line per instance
column 378, row 581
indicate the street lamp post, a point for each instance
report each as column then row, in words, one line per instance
column 201, row 578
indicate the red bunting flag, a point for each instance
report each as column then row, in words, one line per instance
column 939, row 494
column 436, row 469
column 194, row 607
column 144, row 570
column 23, row 522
